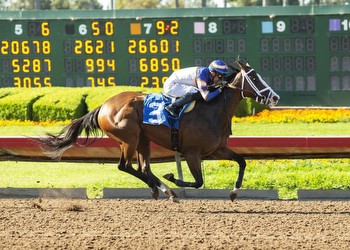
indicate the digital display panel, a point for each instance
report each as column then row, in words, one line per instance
column 303, row 56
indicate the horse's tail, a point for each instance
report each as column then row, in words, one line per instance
column 54, row 145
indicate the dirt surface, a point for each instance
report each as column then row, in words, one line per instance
column 190, row 224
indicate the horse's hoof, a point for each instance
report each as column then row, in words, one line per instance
column 233, row 195
column 169, row 177
column 155, row 193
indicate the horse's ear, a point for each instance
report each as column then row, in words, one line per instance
column 240, row 64
column 247, row 64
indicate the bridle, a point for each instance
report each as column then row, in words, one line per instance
column 258, row 93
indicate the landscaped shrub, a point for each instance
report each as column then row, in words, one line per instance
column 249, row 107
column 17, row 105
column 60, row 105
column 97, row 96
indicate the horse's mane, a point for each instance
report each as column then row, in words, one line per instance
column 234, row 69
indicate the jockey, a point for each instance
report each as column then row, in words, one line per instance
column 192, row 84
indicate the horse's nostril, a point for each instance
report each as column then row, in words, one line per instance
column 276, row 98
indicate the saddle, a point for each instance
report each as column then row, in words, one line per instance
column 155, row 114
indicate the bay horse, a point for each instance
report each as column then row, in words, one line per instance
column 203, row 132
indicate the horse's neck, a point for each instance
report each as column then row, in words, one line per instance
column 231, row 98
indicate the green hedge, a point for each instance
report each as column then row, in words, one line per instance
column 249, row 107
column 17, row 105
column 60, row 104
column 97, row 96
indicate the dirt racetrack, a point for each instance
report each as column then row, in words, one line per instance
column 190, row 224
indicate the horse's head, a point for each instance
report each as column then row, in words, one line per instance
column 251, row 84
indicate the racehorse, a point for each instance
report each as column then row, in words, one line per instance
column 203, row 132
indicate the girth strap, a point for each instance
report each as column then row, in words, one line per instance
column 175, row 139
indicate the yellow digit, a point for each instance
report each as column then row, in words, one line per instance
column 165, row 64
column 4, row 47
column 174, row 27
column 47, row 82
column 164, row 79
column 26, row 65
column 99, row 46
column 46, row 47
column 92, row 81
column 37, row 46
column 36, row 65
column 89, row 48
column 15, row 47
column 177, row 45
column 95, row 29
column 144, row 81
column 101, row 81
column 109, row 28
column 27, row 82
column 111, row 64
column 15, row 66
column 100, row 65
column 153, row 48
column 45, row 30
column 132, row 47
column 37, row 82
column 78, row 46
column 89, row 65
column 25, row 48
column 48, row 65
column 143, row 65
column 17, row 82
column 164, row 46
column 142, row 46
column 175, row 64
column 111, row 81
column 160, row 27
column 112, row 46
column 154, row 64
column 155, row 82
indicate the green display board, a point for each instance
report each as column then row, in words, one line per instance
column 302, row 52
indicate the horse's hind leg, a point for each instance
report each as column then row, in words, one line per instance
column 143, row 159
column 144, row 168
column 125, row 163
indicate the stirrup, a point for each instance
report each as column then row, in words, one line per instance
column 172, row 111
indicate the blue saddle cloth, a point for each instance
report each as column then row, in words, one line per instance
column 155, row 114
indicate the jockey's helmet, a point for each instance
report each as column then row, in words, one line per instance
column 219, row 67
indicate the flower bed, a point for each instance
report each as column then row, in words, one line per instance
column 298, row 115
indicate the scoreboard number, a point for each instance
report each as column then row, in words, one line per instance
column 302, row 52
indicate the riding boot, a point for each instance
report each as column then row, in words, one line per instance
column 174, row 108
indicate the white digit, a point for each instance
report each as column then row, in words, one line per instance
column 82, row 29
column 156, row 113
column 18, row 29
column 281, row 26
column 212, row 27
column 346, row 24
column 148, row 27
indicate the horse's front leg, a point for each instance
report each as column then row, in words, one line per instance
column 227, row 154
column 194, row 164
